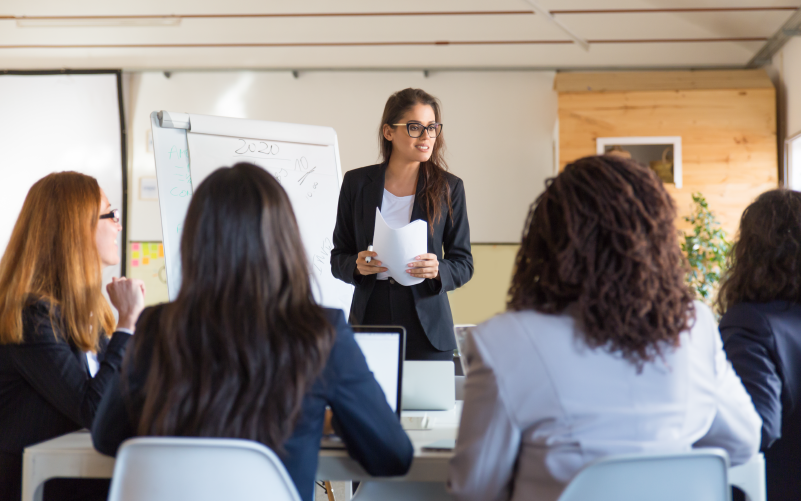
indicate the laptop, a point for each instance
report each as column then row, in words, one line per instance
column 384, row 348
column 429, row 385
column 462, row 332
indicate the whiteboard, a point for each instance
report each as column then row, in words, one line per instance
column 303, row 158
column 58, row 122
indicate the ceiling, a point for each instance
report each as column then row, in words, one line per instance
column 365, row 34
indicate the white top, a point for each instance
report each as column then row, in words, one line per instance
column 91, row 357
column 397, row 213
column 539, row 405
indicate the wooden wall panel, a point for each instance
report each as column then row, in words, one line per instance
column 728, row 138
column 661, row 80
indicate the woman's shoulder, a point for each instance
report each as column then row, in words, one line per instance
column 742, row 310
column 362, row 173
column 147, row 330
column 452, row 179
column 336, row 318
column 514, row 330
column 37, row 321
column 147, row 325
column 36, row 306
column 761, row 317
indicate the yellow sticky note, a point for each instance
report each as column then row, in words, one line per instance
column 135, row 254
column 145, row 261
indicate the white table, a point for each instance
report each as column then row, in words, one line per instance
column 73, row 456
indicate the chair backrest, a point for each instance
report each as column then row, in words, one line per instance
column 200, row 469
column 698, row 475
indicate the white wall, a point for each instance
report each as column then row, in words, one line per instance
column 498, row 127
column 789, row 62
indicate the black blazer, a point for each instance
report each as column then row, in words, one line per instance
column 763, row 343
column 362, row 191
column 370, row 430
column 46, row 389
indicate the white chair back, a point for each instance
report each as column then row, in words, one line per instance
column 200, row 469
column 698, row 475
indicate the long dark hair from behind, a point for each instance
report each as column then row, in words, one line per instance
column 435, row 184
column 244, row 340
column 602, row 236
column 764, row 264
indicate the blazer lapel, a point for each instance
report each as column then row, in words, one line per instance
column 373, row 197
column 418, row 212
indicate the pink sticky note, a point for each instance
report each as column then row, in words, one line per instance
column 136, row 246
column 135, row 263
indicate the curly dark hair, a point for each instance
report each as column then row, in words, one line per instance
column 764, row 264
column 602, row 236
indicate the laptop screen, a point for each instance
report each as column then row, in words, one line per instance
column 383, row 351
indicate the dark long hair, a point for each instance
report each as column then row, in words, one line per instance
column 435, row 184
column 602, row 236
column 765, row 260
column 244, row 340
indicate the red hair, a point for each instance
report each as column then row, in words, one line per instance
column 52, row 256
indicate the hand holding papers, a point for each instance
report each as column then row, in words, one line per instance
column 396, row 248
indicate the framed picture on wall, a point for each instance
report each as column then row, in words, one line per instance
column 660, row 153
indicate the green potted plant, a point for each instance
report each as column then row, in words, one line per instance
column 706, row 247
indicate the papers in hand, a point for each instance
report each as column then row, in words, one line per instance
column 396, row 248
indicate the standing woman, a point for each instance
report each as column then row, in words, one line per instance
column 52, row 313
column 410, row 183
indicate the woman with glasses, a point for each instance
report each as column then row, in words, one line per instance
column 52, row 316
column 410, row 183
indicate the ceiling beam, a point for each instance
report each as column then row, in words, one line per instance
column 372, row 44
column 547, row 15
column 790, row 28
column 222, row 15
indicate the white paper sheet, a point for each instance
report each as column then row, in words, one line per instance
column 396, row 248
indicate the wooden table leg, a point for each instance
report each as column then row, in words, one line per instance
column 329, row 490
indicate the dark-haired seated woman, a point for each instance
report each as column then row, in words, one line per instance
column 761, row 329
column 602, row 350
column 244, row 351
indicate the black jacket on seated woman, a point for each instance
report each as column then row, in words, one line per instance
column 366, row 423
column 52, row 312
column 244, row 351
column 761, row 330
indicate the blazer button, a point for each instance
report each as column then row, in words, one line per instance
column 392, row 281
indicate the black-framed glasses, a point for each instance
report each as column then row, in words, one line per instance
column 114, row 215
column 415, row 129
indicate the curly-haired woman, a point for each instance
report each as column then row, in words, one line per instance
column 761, row 329
column 602, row 350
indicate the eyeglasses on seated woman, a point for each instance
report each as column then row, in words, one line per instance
column 52, row 313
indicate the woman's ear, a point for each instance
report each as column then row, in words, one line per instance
column 388, row 132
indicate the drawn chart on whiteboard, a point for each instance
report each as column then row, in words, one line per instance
column 308, row 174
